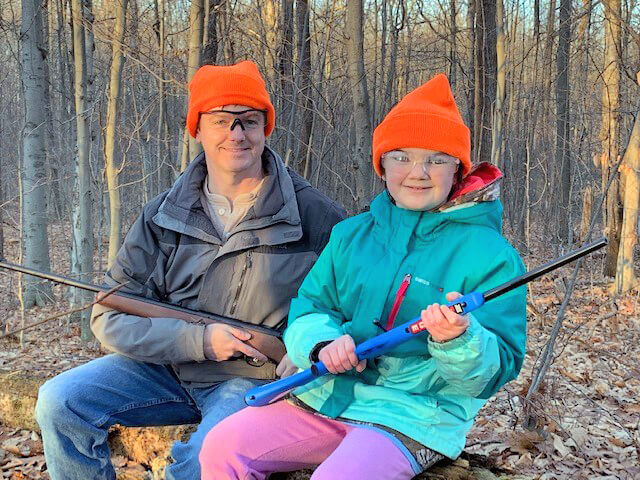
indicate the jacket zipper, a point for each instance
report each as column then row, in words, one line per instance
column 398, row 301
column 247, row 266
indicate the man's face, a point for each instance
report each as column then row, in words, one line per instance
column 234, row 150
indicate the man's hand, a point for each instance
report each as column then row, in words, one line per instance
column 221, row 342
column 286, row 367
column 442, row 323
column 340, row 356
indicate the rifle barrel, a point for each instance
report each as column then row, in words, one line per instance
column 96, row 289
column 53, row 277
column 547, row 267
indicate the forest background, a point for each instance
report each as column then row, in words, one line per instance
column 92, row 122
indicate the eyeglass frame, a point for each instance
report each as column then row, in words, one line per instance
column 427, row 163
column 238, row 121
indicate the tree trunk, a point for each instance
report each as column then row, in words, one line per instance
column 89, row 42
column 543, row 106
column 485, row 73
column 210, row 48
column 582, row 34
column 303, row 157
column 397, row 24
column 563, row 150
column 587, row 208
column 453, row 51
column 53, row 189
column 536, row 20
column 1, row 196
column 163, row 166
column 227, row 23
column 111, row 165
column 498, row 112
column 625, row 277
column 35, row 238
column 286, row 74
column 610, row 133
column 471, row 59
column 62, row 169
column 82, row 245
column 361, row 163
column 196, row 15
column 269, row 18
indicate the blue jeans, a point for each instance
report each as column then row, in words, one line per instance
column 76, row 408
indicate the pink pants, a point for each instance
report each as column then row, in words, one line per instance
column 280, row 437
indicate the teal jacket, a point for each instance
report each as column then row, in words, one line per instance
column 428, row 391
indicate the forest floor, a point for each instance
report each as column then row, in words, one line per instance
column 588, row 407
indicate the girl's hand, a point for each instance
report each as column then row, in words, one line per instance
column 340, row 356
column 442, row 323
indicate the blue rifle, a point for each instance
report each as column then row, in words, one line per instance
column 380, row 344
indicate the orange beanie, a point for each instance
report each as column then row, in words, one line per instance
column 215, row 86
column 426, row 118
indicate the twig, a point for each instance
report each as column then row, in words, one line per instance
column 62, row 314
column 547, row 356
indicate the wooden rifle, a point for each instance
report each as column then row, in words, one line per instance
column 266, row 340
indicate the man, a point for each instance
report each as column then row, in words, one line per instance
column 235, row 236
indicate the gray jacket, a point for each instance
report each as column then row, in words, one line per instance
column 173, row 253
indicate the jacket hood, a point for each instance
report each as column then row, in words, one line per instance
column 475, row 202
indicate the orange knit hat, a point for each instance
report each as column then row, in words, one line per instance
column 215, row 86
column 426, row 118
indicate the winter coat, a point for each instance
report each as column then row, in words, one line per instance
column 428, row 391
column 173, row 253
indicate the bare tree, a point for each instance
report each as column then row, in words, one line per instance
column 268, row 18
column 285, row 67
column 498, row 111
column 82, row 245
column 190, row 148
column 163, row 166
column 210, row 45
column 304, row 60
column 610, row 133
column 35, row 238
column 361, row 111
column 563, row 145
column 625, row 277
column 453, row 51
column 397, row 23
column 89, row 41
column 1, row 198
column 112, row 170
column 485, row 73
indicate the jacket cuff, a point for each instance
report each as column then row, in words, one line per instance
column 193, row 344
column 473, row 332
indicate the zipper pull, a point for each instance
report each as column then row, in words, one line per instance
column 398, row 301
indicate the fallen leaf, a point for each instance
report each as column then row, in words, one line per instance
column 559, row 445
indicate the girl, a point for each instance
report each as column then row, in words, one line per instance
column 435, row 229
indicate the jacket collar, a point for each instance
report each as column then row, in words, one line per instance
column 273, row 219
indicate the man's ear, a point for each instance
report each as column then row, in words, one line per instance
column 198, row 134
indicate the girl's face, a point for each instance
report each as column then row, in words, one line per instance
column 419, row 179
